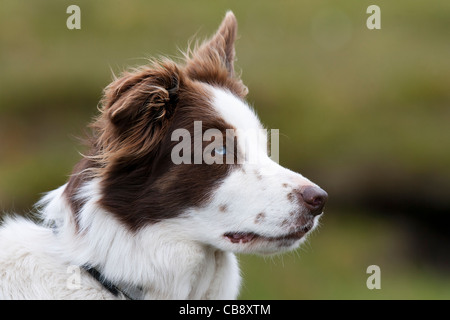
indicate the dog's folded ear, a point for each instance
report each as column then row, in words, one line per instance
column 136, row 108
column 213, row 61
column 150, row 92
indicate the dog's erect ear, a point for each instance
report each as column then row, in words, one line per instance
column 213, row 61
column 136, row 108
column 222, row 43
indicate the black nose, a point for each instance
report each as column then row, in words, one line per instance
column 315, row 199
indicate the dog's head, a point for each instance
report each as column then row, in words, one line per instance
column 178, row 143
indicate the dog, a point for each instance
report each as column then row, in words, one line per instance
column 136, row 222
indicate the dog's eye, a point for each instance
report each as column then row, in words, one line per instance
column 220, row 150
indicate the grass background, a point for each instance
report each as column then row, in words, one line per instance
column 364, row 113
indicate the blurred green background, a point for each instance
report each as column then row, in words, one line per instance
column 363, row 113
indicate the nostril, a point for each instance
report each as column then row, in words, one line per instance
column 314, row 198
column 317, row 200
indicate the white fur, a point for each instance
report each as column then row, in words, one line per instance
column 30, row 268
column 35, row 260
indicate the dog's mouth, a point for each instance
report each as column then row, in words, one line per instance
column 246, row 237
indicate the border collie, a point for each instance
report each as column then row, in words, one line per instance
column 131, row 223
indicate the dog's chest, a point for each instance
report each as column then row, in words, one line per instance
column 215, row 276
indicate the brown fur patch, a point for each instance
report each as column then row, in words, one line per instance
column 291, row 196
column 80, row 174
column 260, row 217
column 295, row 195
column 284, row 223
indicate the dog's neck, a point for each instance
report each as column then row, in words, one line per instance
column 158, row 258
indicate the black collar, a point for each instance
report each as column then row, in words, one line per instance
column 111, row 287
